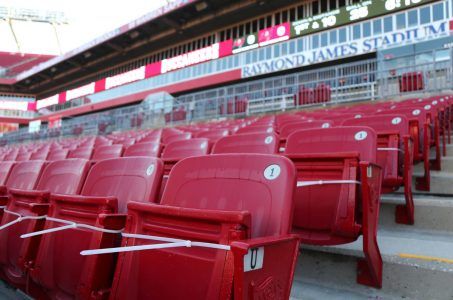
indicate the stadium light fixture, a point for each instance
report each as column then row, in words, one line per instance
column 201, row 6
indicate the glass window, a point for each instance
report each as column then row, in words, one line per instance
column 366, row 29
column 333, row 37
column 377, row 26
column 261, row 54
column 324, row 39
column 292, row 47
column 356, row 32
column 401, row 21
column 277, row 50
column 284, row 48
column 268, row 52
column 425, row 16
column 342, row 35
column 438, row 12
column 315, row 41
column 388, row 24
column 412, row 17
column 300, row 45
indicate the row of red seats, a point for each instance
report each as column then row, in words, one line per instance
column 330, row 165
column 209, row 183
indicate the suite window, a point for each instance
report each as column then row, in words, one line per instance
column 401, row 21
column 412, row 18
column 377, row 26
column 366, row 29
column 388, row 24
column 425, row 15
column 342, row 35
column 356, row 32
column 333, row 37
column 315, row 42
column 438, row 12
column 324, row 39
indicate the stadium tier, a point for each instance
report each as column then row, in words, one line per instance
column 234, row 150
column 227, row 200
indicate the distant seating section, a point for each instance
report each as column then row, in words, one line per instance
column 214, row 210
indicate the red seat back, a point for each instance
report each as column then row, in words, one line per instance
column 5, row 170
column 334, row 140
column 256, row 129
column 185, row 148
column 289, row 128
column 82, row 152
column 144, row 149
column 64, row 176
column 57, row 154
column 106, row 152
column 127, row 179
column 260, row 184
column 177, row 137
column 265, row 143
column 25, row 175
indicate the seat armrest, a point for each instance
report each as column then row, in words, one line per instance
column 112, row 221
column 201, row 214
column 3, row 190
column 84, row 200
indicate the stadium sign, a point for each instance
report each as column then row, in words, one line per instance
column 191, row 58
column 52, row 100
column 80, row 91
column 120, row 79
column 209, row 53
column 343, row 50
column 351, row 13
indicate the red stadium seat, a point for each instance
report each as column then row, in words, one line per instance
column 5, row 170
column 291, row 127
column 109, row 186
column 106, row 152
column 81, row 152
column 144, row 149
column 338, row 193
column 264, row 143
column 213, row 135
column 62, row 177
column 178, row 150
column 395, row 156
column 256, row 129
column 57, row 154
column 177, row 137
column 24, row 176
column 241, row 202
column 420, row 132
column 23, row 156
column 11, row 155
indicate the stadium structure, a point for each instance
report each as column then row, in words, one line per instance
column 249, row 149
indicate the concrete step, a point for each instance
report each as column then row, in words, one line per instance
column 431, row 212
column 441, row 183
column 417, row 265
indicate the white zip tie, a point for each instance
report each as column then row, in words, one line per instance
column 173, row 240
column 180, row 243
column 19, row 219
column 322, row 182
column 390, row 149
column 135, row 248
column 71, row 225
